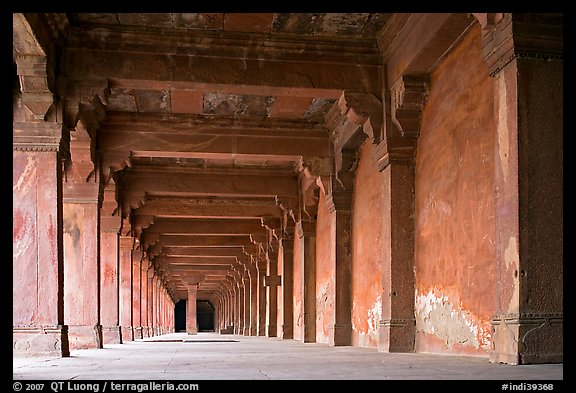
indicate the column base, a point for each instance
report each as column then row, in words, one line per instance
column 137, row 331
column 396, row 335
column 84, row 337
column 127, row 333
column 40, row 340
column 527, row 338
column 246, row 331
column 287, row 332
column 191, row 331
column 340, row 335
column 111, row 335
column 145, row 332
column 271, row 331
column 253, row 331
column 309, row 333
column 227, row 330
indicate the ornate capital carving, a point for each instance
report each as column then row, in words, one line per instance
column 408, row 97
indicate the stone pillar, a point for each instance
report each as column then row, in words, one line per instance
column 287, row 283
column 191, row 315
column 136, row 290
column 524, row 53
column 253, row 274
column 81, row 241
column 340, row 202
column 37, row 249
column 151, row 301
column 262, row 307
column 272, row 280
column 125, row 292
column 37, row 276
column 247, row 291
column 238, row 277
column 109, row 269
column 307, row 233
column 144, row 296
column 109, row 266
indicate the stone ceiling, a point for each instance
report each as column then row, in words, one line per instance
column 204, row 120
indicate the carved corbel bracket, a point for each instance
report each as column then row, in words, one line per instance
column 352, row 120
column 314, row 174
column 408, row 97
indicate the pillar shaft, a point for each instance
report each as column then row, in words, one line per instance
column 125, row 292
column 253, row 271
column 261, row 298
column 136, row 298
column 247, row 291
column 144, row 298
column 191, row 314
column 81, row 241
column 307, row 234
column 528, row 76
column 37, row 311
column 286, row 289
column 109, row 263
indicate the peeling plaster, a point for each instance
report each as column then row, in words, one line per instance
column 27, row 177
column 374, row 317
column 436, row 314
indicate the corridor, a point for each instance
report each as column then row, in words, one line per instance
column 212, row 356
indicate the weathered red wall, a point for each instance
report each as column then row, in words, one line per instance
column 325, row 271
column 454, row 206
column 298, row 287
column 367, row 249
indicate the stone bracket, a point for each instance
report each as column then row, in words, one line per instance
column 408, row 97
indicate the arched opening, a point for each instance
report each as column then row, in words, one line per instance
column 205, row 316
column 180, row 316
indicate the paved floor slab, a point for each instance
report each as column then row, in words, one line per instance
column 211, row 356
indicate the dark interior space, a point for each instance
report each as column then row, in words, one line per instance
column 205, row 316
column 180, row 316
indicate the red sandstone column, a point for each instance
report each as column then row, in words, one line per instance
column 144, row 297
column 271, row 281
column 136, row 301
column 307, row 234
column 262, row 307
column 81, row 241
column 151, row 300
column 340, row 202
column 246, row 306
column 109, row 263
column 528, row 79
column 238, row 277
column 287, row 284
column 125, row 293
column 37, row 276
column 253, row 274
column 191, row 315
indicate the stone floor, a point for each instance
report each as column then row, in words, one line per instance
column 210, row 356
